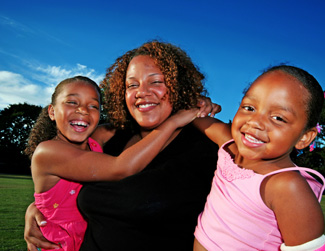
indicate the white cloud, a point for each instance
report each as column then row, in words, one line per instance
column 38, row 86
column 17, row 89
column 52, row 75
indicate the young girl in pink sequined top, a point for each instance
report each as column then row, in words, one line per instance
column 259, row 199
column 59, row 146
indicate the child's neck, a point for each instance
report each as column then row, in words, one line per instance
column 263, row 166
column 80, row 145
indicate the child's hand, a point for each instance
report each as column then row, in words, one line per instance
column 207, row 107
column 183, row 117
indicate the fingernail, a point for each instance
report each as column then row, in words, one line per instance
column 43, row 222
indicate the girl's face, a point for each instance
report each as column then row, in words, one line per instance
column 76, row 112
column 271, row 118
column 146, row 94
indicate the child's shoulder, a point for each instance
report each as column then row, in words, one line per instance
column 288, row 181
column 47, row 147
column 284, row 187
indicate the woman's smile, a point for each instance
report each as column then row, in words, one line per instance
column 146, row 93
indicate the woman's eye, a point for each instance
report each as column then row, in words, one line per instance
column 157, row 82
column 131, row 86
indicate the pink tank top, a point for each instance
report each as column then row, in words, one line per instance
column 235, row 216
column 65, row 224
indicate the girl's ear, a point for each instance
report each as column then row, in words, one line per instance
column 306, row 138
column 50, row 111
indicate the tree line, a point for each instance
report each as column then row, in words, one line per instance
column 16, row 121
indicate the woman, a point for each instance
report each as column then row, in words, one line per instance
column 157, row 208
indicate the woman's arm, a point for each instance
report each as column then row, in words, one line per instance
column 33, row 235
column 58, row 158
column 214, row 129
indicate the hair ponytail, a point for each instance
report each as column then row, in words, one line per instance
column 43, row 129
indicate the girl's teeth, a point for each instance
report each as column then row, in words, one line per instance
column 252, row 139
column 79, row 124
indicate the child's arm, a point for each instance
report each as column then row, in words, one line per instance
column 214, row 129
column 296, row 207
column 57, row 158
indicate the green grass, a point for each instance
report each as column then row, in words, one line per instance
column 16, row 193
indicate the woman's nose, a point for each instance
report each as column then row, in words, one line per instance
column 142, row 91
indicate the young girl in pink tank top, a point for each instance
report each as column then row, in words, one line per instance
column 259, row 199
column 62, row 153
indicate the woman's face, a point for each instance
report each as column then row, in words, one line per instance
column 146, row 94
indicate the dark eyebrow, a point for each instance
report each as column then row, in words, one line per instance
column 287, row 109
column 150, row 75
column 276, row 106
column 154, row 74
column 76, row 95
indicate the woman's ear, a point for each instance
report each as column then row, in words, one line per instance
column 50, row 111
column 306, row 138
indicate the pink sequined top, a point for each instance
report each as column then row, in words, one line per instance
column 65, row 224
column 235, row 216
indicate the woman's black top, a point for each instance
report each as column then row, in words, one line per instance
column 156, row 209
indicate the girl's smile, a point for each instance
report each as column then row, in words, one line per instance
column 76, row 112
column 272, row 114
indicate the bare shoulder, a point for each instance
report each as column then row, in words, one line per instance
column 289, row 183
column 284, row 187
column 103, row 133
column 47, row 150
column 296, row 207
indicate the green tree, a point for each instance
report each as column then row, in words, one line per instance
column 16, row 122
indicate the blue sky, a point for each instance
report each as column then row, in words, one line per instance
column 43, row 42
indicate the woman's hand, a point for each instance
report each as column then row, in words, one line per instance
column 207, row 107
column 33, row 235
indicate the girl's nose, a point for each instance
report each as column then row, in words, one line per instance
column 82, row 110
column 257, row 122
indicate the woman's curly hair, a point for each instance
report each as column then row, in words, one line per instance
column 44, row 128
column 182, row 78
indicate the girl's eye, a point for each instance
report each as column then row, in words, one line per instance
column 248, row 108
column 280, row 119
column 71, row 102
column 94, row 107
